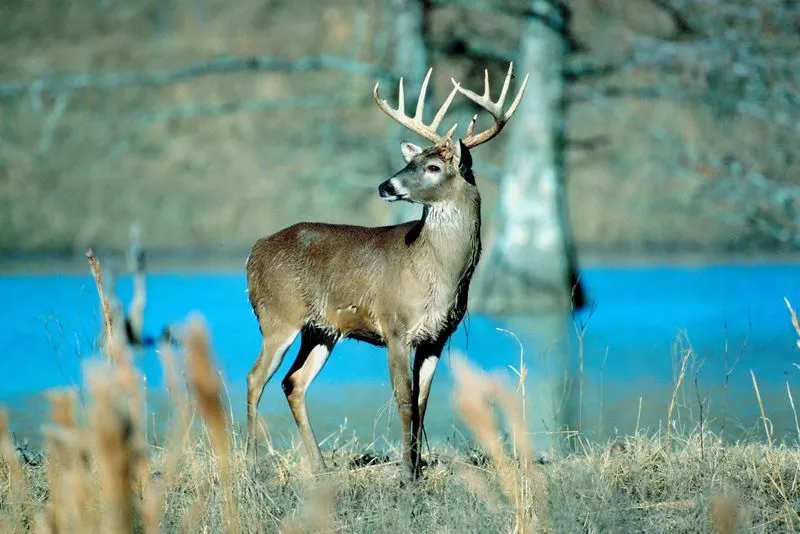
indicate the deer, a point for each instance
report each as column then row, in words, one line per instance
column 404, row 287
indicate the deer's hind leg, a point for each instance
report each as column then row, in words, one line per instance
column 315, row 347
column 277, row 336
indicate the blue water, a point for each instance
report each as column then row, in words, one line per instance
column 731, row 313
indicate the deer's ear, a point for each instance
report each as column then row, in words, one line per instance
column 456, row 148
column 462, row 156
column 409, row 150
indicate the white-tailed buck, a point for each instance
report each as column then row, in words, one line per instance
column 403, row 287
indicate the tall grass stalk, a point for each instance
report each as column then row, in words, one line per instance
column 794, row 319
column 207, row 395
column 684, row 360
column 521, row 483
column 105, row 309
column 764, row 420
column 794, row 412
column 521, row 372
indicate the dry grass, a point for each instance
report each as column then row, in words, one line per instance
column 522, row 483
column 101, row 475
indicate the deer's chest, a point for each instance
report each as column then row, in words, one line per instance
column 439, row 316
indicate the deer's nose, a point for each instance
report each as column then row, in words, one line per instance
column 387, row 189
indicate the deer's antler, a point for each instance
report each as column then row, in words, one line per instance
column 495, row 108
column 416, row 123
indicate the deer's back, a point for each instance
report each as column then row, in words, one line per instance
column 331, row 275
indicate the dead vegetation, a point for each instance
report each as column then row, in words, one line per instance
column 100, row 474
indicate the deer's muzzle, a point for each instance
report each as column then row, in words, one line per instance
column 391, row 190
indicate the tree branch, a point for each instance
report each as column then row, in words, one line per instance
column 585, row 93
column 682, row 26
column 216, row 109
column 588, row 143
column 555, row 14
column 222, row 65
column 486, row 52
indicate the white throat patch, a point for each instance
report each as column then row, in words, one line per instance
column 444, row 214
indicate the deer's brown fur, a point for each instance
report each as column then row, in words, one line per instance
column 404, row 287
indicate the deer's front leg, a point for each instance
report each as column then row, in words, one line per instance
column 399, row 374
column 426, row 358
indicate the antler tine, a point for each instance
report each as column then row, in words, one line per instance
column 401, row 99
column 518, row 98
column 416, row 123
column 502, row 99
column 421, row 100
column 495, row 108
column 437, row 119
column 471, row 126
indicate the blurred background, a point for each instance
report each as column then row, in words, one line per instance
column 647, row 186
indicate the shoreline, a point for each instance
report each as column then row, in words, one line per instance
column 227, row 259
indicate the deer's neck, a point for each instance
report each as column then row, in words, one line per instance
column 449, row 244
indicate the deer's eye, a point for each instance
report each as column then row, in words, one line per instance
column 433, row 168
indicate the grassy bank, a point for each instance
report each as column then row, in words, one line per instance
column 691, row 488
column 101, row 473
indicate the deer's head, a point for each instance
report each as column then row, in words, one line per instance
column 436, row 173
column 431, row 175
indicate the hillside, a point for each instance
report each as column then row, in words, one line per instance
column 213, row 162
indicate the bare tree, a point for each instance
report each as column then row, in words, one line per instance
column 532, row 253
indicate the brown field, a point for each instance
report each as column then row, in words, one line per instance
column 99, row 473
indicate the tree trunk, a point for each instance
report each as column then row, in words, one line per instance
column 410, row 62
column 530, row 261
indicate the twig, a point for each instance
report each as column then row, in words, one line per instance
column 794, row 411
column 702, row 414
column 795, row 320
column 580, row 332
column 684, row 504
column 222, row 65
column 681, row 374
column 216, row 109
column 638, row 417
column 579, row 92
column 522, row 373
column 51, row 123
column 602, row 394
column 590, row 143
column 761, row 407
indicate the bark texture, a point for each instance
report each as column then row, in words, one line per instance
column 531, row 259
